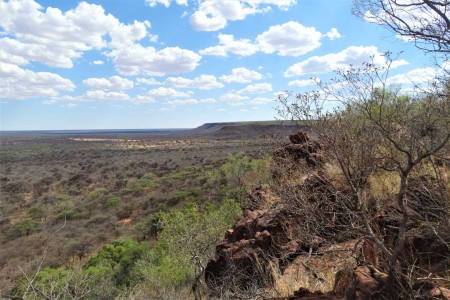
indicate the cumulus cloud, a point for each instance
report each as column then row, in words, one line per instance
column 417, row 76
column 111, row 83
column 241, row 75
column 18, row 83
column 161, row 93
column 166, row 3
column 98, row 62
column 148, row 81
column 353, row 55
column 203, row 82
column 302, row 82
column 137, row 59
column 333, row 34
column 257, row 88
column 208, row 100
column 56, row 38
column 182, row 102
column 102, row 95
column 227, row 44
column 213, row 15
column 288, row 39
column 261, row 100
column 232, row 97
column 144, row 99
column 166, row 93
column 291, row 38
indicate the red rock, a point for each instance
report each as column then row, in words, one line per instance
column 300, row 137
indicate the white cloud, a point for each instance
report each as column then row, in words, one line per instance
column 98, row 62
column 333, row 34
column 203, row 82
column 163, row 92
column 7, row 57
column 149, row 81
column 232, row 97
column 208, row 100
column 417, row 76
column 166, row 3
column 213, row 15
column 102, row 95
column 144, row 99
column 227, row 44
column 257, row 88
column 18, row 83
column 111, row 83
column 353, row 55
column 290, row 38
column 136, row 59
column 241, row 75
column 261, row 100
column 302, row 82
column 153, row 38
column 56, row 38
column 182, row 102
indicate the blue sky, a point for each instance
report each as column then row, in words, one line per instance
column 176, row 63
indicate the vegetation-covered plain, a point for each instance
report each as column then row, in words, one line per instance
column 79, row 210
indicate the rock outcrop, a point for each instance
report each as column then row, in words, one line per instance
column 301, row 149
column 295, row 236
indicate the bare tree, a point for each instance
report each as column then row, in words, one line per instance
column 376, row 129
column 426, row 22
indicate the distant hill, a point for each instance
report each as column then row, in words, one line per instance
column 239, row 130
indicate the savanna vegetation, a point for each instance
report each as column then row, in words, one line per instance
column 97, row 217
column 101, row 219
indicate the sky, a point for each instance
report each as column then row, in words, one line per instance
column 129, row 64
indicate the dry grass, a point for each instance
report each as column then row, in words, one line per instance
column 383, row 186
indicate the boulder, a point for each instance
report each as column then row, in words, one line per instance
column 301, row 149
column 300, row 137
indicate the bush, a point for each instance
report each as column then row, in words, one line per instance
column 174, row 197
column 186, row 233
column 97, row 193
column 24, row 227
column 118, row 258
column 239, row 174
column 112, row 201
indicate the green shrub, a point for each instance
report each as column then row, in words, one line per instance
column 37, row 212
column 97, row 193
column 184, row 233
column 113, row 201
column 187, row 172
column 174, row 197
column 64, row 198
column 117, row 259
column 150, row 180
column 239, row 174
column 24, row 227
